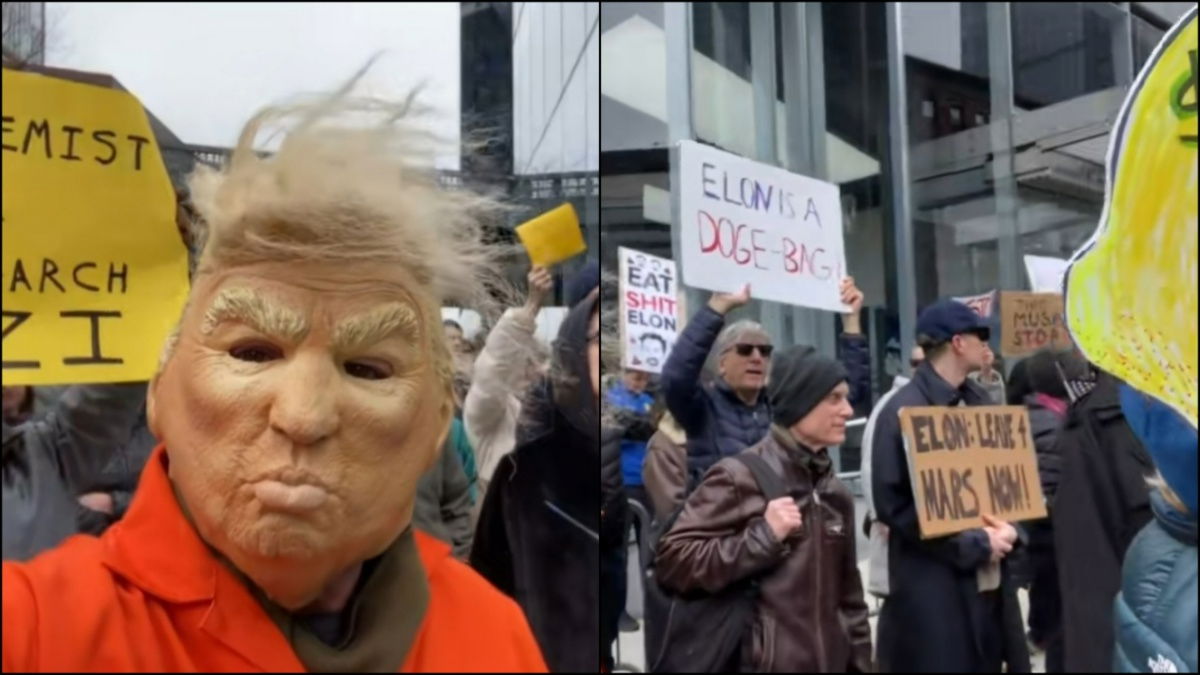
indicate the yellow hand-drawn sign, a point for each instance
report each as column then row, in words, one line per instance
column 553, row 236
column 94, row 272
column 1131, row 290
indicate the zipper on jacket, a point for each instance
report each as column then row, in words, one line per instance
column 563, row 514
column 819, row 539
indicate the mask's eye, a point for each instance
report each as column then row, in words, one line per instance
column 256, row 353
column 367, row 371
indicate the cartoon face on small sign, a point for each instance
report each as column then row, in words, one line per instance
column 649, row 310
column 1131, row 289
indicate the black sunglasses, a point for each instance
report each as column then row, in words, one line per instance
column 744, row 349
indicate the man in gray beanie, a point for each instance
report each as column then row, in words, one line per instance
column 800, row 547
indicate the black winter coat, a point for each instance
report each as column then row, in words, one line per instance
column 536, row 539
column 1101, row 503
column 1040, row 566
column 614, row 508
column 717, row 422
column 933, row 583
column 1044, row 425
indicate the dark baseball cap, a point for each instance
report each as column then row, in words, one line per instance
column 944, row 319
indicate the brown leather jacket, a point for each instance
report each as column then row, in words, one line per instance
column 811, row 615
column 665, row 470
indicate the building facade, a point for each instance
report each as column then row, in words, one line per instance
column 530, row 82
column 556, row 122
column 963, row 136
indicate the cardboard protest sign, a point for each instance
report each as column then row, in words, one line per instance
column 553, row 236
column 1045, row 273
column 968, row 461
column 982, row 303
column 743, row 221
column 649, row 309
column 1131, row 289
column 94, row 272
column 1030, row 321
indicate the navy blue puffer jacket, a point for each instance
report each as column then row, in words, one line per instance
column 717, row 422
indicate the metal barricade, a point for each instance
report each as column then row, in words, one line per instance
column 645, row 521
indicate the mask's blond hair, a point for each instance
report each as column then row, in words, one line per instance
column 349, row 194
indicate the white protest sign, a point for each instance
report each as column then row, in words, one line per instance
column 1045, row 274
column 468, row 319
column 649, row 309
column 982, row 303
column 742, row 221
column 549, row 320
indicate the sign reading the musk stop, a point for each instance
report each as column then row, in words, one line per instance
column 1031, row 321
column 649, row 309
column 968, row 461
column 742, row 221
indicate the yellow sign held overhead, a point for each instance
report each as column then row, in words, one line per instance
column 94, row 272
column 553, row 236
column 1131, row 289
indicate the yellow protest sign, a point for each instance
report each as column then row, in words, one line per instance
column 94, row 273
column 1131, row 289
column 553, row 236
column 968, row 461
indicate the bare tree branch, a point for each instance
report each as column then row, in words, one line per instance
column 30, row 34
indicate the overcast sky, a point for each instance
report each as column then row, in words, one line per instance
column 204, row 68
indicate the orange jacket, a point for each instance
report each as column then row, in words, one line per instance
column 148, row 596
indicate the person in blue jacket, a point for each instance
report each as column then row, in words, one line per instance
column 732, row 413
column 1154, row 615
column 632, row 403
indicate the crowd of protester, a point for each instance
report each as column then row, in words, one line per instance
column 736, row 577
column 347, row 482
column 73, row 456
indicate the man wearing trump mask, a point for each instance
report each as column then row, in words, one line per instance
column 304, row 392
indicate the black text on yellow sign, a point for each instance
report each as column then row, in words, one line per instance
column 93, row 271
column 47, row 277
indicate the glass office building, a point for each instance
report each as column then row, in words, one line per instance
column 556, row 124
column 963, row 136
column 530, row 82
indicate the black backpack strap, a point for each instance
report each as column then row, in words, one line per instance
column 768, row 479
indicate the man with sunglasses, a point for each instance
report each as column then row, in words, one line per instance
column 732, row 414
column 953, row 587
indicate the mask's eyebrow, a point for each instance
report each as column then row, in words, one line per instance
column 246, row 306
column 370, row 327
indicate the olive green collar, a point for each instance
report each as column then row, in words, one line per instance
column 381, row 619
